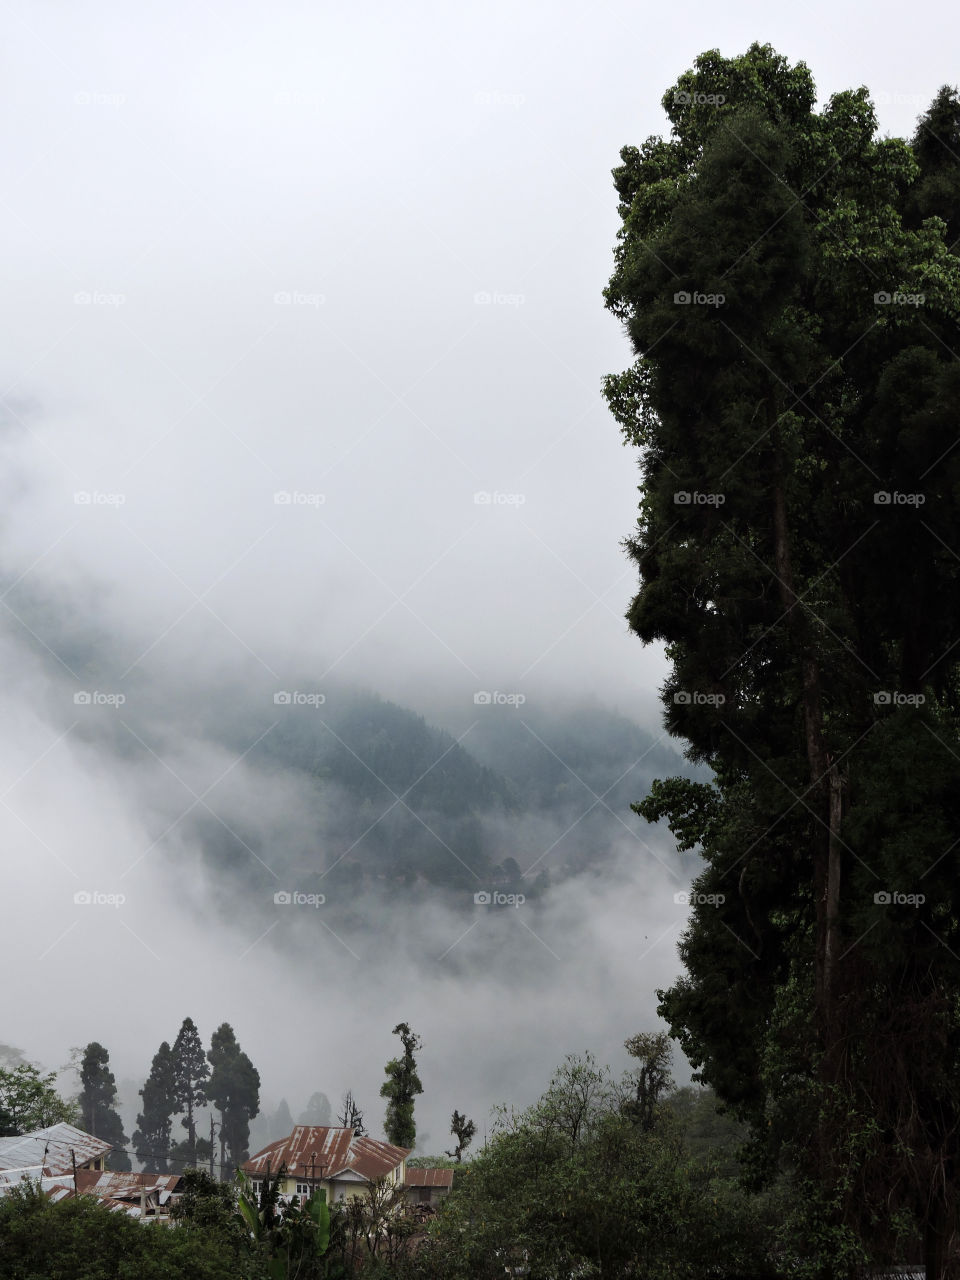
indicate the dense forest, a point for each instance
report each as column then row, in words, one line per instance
column 394, row 794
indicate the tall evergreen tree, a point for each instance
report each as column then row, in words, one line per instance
column 400, row 1089
column 792, row 296
column 281, row 1122
column 234, row 1088
column 190, row 1071
column 151, row 1139
column 317, row 1111
column 936, row 147
column 98, row 1094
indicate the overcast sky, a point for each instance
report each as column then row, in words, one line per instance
column 301, row 357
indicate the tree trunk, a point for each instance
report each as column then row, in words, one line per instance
column 825, row 779
column 825, row 801
column 936, row 1232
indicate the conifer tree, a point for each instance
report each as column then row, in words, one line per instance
column 190, row 1072
column 790, row 285
column 98, row 1094
column 151, row 1139
column 234, row 1088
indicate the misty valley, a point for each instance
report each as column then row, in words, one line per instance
column 480, row 750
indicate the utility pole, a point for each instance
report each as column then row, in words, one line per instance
column 211, row 1146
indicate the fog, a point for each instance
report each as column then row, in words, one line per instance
column 301, row 357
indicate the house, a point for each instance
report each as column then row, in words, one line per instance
column 147, row 1196
column 64, row 1161
column 428, row 1186
column 57, row 1149
column 142, row 1195
column 335, row 1160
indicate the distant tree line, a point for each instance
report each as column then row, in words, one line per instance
column 183, row 1080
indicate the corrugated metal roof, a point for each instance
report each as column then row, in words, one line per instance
column 429, row 1177
column 373, row 1159
column 327, row 1151
column 8, row 1177
column 120, row 1186
column 52, row 1147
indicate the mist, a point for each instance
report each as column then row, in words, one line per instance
column 301, row 360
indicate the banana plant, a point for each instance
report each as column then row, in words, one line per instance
column 293, row 1238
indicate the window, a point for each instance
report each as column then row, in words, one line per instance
column 304, row 1189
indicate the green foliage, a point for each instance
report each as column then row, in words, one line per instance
column 400, row 1089
column 185, row 1155
column 29, row 1100
column 83, row 1240
column 652, row 1077
column 233, row 1087
column 190, row 1072
column 151, row 1139
column 210, row 1206
column 464, row 1131
column 573, row 1186
column 291, row 1239
column 797, row 607
column 98, row 1094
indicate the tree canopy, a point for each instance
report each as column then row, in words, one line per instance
column 789, row 283
column 190, row 1072
column 97, row 1099
column 401, row 1088
column 234, row 1088
column 152, row 1137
